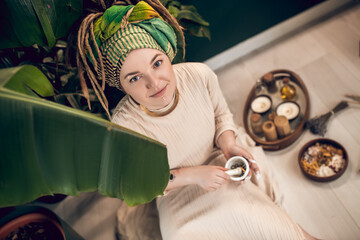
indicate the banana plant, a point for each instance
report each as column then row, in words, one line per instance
column 49, row 148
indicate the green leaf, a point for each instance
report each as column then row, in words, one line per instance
column 176, row 4
column 192, row 16
column 189, row 7
column 39, row 8
column 49, row 148
column 173, row 11
column 63, row 14
column 164, row 2
column 10, row 39
column 26, row 79
column 23, row 27
column 196, row 30
column 29, row 22
column 179, row 57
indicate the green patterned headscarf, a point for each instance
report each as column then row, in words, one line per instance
column 124, row 28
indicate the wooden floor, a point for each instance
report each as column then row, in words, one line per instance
column 326, row 56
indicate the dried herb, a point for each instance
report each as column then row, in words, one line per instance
column 318, row 124
column 353, row 97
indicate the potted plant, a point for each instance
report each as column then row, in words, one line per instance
column 34, row 222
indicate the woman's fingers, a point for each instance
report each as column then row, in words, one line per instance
column 224, row 176
column 248, row 156
column 217, row 177
column 254, row 167
column 248, row 177
column 251, row 160
column 222, row 168
column 210, row 189
column 214, row 186
column 220, row 181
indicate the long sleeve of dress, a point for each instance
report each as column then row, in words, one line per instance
column 224, row 121
column 223, row 117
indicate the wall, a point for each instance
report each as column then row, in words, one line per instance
column 232, row 22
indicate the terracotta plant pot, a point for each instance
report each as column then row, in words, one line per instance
column 27, row 222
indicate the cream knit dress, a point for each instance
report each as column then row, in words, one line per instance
column 190, row 132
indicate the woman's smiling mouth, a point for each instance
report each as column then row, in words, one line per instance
column 160, row 93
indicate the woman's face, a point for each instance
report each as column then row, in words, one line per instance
column 148, row 77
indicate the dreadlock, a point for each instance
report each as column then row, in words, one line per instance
column 84, row 48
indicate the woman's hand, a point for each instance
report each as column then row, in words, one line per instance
column 229, row 147
column 236, row 150
column 210, row 178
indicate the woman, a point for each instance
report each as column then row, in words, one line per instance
column 182, row 106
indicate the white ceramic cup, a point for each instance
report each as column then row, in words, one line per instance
column 240, row 160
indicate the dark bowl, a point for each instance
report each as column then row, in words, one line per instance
column 329, row 142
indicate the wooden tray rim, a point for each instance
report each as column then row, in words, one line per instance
column 288, row 140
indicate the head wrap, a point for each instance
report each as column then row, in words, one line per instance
column 124, row 28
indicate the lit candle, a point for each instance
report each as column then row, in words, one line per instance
column 288, row 109
column 261, row 104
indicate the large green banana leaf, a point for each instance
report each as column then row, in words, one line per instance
column 28, row 22
column 48, row 148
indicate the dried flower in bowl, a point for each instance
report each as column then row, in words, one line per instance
column 323, row 160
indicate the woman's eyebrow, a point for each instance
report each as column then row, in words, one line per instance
column 153, row 59
column 131, row 73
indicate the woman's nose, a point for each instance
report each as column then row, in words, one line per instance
column 152, row 81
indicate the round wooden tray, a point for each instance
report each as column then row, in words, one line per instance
column 296, row 125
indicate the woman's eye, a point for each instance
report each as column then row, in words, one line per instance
column 134, row 79
column 157, row 63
